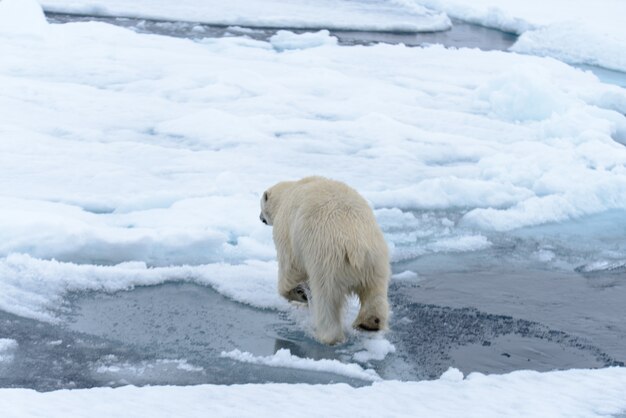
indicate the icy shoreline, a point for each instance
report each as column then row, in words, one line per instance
column 460, row 35
column 588, row 393
column 569, row 31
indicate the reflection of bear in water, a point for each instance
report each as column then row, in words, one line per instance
column 326, row 236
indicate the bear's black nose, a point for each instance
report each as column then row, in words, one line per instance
column 262, row 219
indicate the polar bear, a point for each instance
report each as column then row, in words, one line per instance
column 326, row 237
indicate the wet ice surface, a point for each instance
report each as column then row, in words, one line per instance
column 460, row 35
column 168, row 334
column 533, row 300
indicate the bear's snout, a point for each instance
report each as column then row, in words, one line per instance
column 262, row 219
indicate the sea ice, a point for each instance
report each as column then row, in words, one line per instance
column 574, row 31
column 130, row 160
column 385, row 15
column 121, row 147
column 34, row 288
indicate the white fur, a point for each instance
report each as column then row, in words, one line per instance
column 326, row 236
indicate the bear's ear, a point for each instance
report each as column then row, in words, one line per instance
column 265, row 196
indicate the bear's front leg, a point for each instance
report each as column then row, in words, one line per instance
column 292, row 284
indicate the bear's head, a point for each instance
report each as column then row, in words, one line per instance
column 265, row 218
column 270, row 201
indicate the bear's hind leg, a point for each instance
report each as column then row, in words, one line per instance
column 300, row 293
column 374, row 311
column 291, row 284
column 327, row 306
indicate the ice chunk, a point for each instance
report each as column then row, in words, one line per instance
column 461, row 243
column 405, row 275
column 452, row 375
column 575, row 43
column 375, row 348
column 284, row 358
column 603, row 266
column 110, row 367
column 285, row 40
column 7, row 349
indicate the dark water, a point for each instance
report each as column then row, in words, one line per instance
column 462, row 34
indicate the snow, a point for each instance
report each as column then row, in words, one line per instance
column 374, row 349
column 385, row 15
column 572, row 393
column 452, row 375
column 132, row 160
column 574, row 31
column 520, row 96
column 284, row 358
column 22, row 18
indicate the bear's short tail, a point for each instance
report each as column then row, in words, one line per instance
column 355, row 255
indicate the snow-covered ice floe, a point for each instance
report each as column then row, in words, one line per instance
column 119, row 148
column 34, row 288
column 367, row 15
column 580, row 393
column 575, row 31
